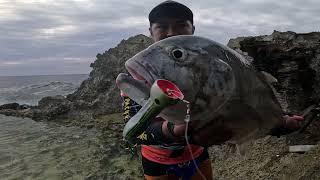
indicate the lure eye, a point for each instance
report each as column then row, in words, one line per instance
column 178, row 54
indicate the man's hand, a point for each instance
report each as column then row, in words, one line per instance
column 200, row 136
column 292, row 122
column 289, row 125
column 179, row 129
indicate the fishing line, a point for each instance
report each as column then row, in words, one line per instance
column 171, row 92
column 187, row 120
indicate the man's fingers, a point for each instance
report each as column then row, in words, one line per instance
column 179, row 129
column 297, row 118
column 293, row 122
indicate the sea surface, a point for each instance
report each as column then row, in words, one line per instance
column 43, row 150
column 30, row 89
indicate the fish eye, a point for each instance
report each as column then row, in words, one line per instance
column 178, row 54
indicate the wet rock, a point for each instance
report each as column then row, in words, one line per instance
column 13, row 106
column 52, row 107
column 9, row 112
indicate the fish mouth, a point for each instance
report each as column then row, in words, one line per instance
column 140, row 73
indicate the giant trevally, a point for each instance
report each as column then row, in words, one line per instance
column 225, row 91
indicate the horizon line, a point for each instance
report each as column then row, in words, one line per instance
column 44, row 75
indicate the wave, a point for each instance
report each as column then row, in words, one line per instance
column 31, row 94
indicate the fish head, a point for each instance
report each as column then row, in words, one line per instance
column 192, row 63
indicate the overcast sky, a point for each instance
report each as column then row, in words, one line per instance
column 64, row 36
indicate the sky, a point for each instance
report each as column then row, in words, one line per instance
column 39, row 37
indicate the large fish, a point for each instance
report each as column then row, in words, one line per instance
column 226, row 93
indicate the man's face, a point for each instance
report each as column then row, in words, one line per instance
column 168, row 27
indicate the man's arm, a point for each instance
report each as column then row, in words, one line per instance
column 221, row 134
column 289, row 125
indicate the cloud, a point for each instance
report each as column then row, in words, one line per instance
column 36, row 33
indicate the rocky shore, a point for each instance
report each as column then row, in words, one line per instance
column 293, row 58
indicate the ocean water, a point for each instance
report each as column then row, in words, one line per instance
column 30, row 89
column 43, row 150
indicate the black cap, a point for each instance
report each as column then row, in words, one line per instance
column 170, row 9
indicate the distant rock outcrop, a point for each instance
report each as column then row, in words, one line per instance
column 99, row 92
column 294, row 59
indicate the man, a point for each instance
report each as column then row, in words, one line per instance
column 164, row 152
column 166, row 156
